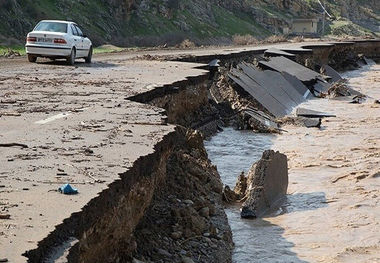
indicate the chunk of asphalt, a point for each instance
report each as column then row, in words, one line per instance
column 332, row 73
column 267, row 184
column 312, row 122
column 274, row 52
column 282, row 64
column 312, row 113
column 258, row 93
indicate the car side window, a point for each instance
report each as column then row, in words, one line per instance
column 80, row 33
column 75, row 32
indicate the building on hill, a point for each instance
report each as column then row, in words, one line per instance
column 305, row 27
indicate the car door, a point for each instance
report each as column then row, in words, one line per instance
column 84, row 45
column 77, row 41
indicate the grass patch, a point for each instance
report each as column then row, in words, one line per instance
column 347, row 28
column 98, row 50
column 107, row 49
column 5, row 49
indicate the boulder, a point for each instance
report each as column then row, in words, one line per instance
column 267, row 183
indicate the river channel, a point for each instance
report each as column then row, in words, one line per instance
column 331, row 212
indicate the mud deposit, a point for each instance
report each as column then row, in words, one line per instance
column 331, row 213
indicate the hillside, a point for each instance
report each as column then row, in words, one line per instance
column 146, row 23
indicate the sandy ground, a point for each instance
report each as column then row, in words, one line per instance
column 336, row 171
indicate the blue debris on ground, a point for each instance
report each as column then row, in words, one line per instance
column 67, row 189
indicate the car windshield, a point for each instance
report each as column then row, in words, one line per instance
column 51, row 27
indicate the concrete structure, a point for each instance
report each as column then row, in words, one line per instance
column 306, row 26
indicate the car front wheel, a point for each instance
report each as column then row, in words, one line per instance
column 71, row 59
column 32, row 58
column 89, row 56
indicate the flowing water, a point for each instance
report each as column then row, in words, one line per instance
column 331, row 213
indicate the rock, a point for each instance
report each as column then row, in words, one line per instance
column 205, row 212
column 163, row 252
column 214, row 246
column 187, row 260
column 176, row 213
column 312, row 122
column 176, row 235
column 137, row 261
column 213, row 230
column 267, row 183
column 247, row 212
column 212, row 209
column 198, row 224
column 207, row 239
column 199, row 203
column 188, row 202
column 194, row 139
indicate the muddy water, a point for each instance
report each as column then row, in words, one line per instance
column 331, row 213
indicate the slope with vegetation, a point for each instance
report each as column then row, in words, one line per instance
column 154, row 22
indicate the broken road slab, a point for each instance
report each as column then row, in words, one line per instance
column 261, row 122
column 312, row 113
column 261, row 79
column 282, row 64
column 274, row 52
column 298, row 85
column 321, row 87
column 258, row 93
column 329, row 71
column 274, row 83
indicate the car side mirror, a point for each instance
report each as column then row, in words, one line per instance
column 84, row 35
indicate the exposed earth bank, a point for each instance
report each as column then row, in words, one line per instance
column 186, row 220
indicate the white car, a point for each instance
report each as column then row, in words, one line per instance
column 58, row 39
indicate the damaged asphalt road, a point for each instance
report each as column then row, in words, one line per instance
column 62, row 124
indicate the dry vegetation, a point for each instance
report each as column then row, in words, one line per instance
column 242, row 40
column 187, row 44
column 297, row 39
column 275, row 39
